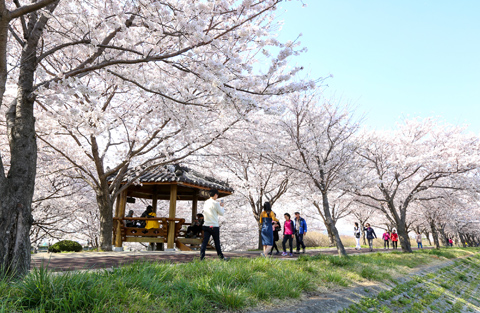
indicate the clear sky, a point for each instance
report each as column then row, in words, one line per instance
column 393, row 59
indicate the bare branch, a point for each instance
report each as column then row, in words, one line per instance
column 15, row 35
column 30, row 8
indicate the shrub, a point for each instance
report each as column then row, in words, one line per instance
column 66, row 246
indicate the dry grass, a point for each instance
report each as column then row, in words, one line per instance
column 319, row 240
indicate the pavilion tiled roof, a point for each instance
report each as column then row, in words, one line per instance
column 177, row 173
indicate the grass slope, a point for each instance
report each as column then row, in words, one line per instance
column 455, row 288
column 209, row 286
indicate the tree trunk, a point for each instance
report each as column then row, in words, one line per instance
column 362, row 226
column 260, row 245
column 427, row 234
column 403, row 237
column 435, row 235
column 331, row 224
column 330, row 235
column 462, row 239
column 15, row 223
column 3, row 50
column 105, row 207
column 18, row 187
column 402, row 230
column 443, row 237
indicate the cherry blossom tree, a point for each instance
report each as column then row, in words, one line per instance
column 187, row 54
column 17, row 173
column 240, row 159
column 362, row 215
column 317, row 145
column 420, row 155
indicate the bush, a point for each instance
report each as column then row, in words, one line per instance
column 66, row 246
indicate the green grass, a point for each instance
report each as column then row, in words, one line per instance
column 450, row 289
column 211, row 286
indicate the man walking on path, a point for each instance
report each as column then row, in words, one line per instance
column 211, row 210
column 300, row 230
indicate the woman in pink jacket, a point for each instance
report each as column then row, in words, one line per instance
column 288, row 232
column 386, row 239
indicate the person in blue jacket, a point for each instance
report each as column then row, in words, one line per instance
column 300, row 231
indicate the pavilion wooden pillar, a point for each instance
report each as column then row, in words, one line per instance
column 171, row 214
column 194, row 205
column 120, row 212
column 154, row 199
column 158, row 246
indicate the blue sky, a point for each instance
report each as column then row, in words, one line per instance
column 393, row 59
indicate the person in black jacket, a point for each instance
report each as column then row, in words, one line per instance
column 145, row 213
column 276, row 228
column 196, row 227
column 130, row 223
column 370, row 235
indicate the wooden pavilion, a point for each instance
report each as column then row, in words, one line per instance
column 173, row 183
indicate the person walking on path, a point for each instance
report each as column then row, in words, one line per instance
column 300, row 231
column 266, row 218
column 419, row 240
column 370, row 235
column 211, row 210
column 276, row 228
column 288, row 231
column 357, row 233
column 386, row 240
column 394, row 237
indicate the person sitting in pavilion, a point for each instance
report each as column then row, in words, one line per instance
column 196, row 227
column 130, row 223
column 150, row 214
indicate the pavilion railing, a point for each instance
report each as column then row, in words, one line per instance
column 161, row 231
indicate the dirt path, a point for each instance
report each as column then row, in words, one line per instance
column 93, row 260
column 451, row 286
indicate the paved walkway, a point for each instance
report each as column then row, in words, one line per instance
column 99, row 260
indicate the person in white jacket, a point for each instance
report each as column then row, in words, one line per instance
column 357, row 233
column 211, row 210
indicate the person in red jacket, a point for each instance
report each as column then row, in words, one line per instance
column 394, row 237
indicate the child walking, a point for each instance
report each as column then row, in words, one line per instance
column 288, row 231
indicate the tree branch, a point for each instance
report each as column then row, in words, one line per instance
column 153, row 91
column 15, row 35
column 59, row 47
column 30, row 8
